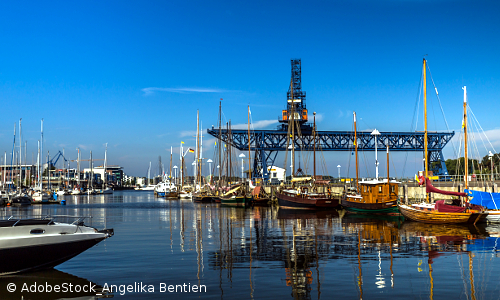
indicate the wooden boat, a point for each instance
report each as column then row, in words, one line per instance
column 235, row 200
column 305, row 196
column 236, row 196
column 301, row 198
column 202, row 197
column 260, row 197
column 376, row 196
column 373, row 196
column 441, row 212
column 429, row 214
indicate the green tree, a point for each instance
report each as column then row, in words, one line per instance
column 457, row 166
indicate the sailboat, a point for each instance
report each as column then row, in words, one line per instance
column 442, row 211
column 200, row 193
column 488, row 201
column 303, row 196
column 237, row 195
column 372, row 196
column 39, row 195
column 148, row 186
column 77, row 190
column 107, row 189
column 166, row 188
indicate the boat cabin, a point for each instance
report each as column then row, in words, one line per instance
column 376, row 191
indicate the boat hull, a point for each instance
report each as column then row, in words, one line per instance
column 435, row 217
column 304, row 202
column 235, row 201
column 384, row 207
column 31, row 258
column 167, row 194
column 27, row 245
column 202, row 199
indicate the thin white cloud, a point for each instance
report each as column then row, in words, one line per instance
column 319, row 117
column 189, row 133
column 255, row 125
column 150, row 90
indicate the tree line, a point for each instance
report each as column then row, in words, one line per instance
column 457, row 166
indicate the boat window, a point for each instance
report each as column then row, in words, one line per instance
column 380, row 189
column 392, row 189
column 37, row 231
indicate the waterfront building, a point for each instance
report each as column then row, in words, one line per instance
column 12, row 173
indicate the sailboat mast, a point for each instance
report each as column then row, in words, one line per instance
column 38, row 166
column 293, row 128
column 170, row 162
column 20, row 156
column 105, row 164
column 40, row 170
column 220, row 141
column 466, row 164
column 229, row 151
column 356, row 150
column 196, row 154
column 314, row 147
column 91, row 172
column 249, row 153
column 388, row 180
column 149, row 171
column 426, row 164
column 78, row 169
column 12, row 157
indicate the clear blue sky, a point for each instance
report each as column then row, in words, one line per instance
column 133, row 73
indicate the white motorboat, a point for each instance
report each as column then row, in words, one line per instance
column 42, row 196
column 166, row 189
column 33, row 244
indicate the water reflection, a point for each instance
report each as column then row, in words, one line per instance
column 266, row 252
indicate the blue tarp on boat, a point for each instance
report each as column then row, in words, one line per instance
column 488, row 200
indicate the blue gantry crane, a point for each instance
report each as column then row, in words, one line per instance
column 55, row 159
column 267, row 143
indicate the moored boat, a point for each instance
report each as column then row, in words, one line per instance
column 376, row 196
column 301, row 198
column 166, row 189
column 33, row 244
column 442, row 211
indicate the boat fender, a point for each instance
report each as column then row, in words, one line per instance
column 298, row 191
column 63, row 202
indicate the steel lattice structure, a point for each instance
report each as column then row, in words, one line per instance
column 267, row 143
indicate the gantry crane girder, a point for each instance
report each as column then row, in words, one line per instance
column 267, row 143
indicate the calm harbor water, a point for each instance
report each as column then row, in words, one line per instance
column 213, row 252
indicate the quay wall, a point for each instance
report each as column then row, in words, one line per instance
column 405, row 191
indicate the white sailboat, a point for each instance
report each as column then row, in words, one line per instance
column 166, row 188
column 39, row 196
column 148, row 187
column 76, row 190
column 106, row 189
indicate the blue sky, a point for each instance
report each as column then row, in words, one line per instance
column 133, row 73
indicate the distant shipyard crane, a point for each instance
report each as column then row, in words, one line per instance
column 267, row 143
